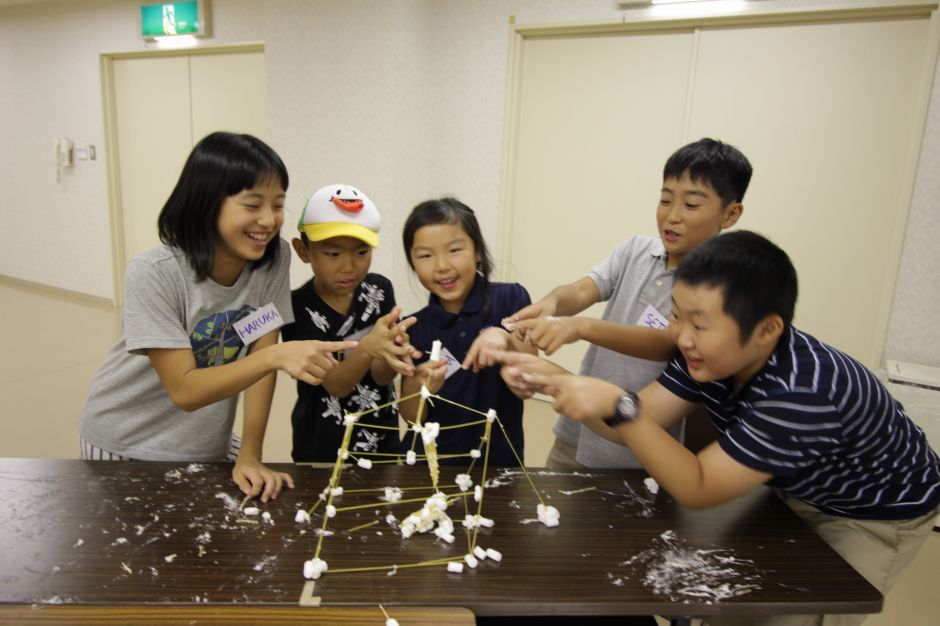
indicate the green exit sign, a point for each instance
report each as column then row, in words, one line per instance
column 165, row 19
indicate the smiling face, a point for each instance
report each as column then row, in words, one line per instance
column 710, row 339
column 445, row 260
column 690, row 213
column 248, row 222
column 339, row 265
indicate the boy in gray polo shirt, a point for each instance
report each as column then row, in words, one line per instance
column 703, row 187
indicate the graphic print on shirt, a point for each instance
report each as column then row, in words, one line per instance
column 214, row 339
column 332, row 409
column 373, row 296
column 367, row 441
column 366, row 398
column 318, row 319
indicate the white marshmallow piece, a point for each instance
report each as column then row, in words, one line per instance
column 496, row 555
column 364, row 463
column 330, row 510
column 429, row 432
column 425, row 392
column 455, row 567
column 391, row 622
column 651, row 485
column 392, row 494
column 251, row 510
column 436, row 350
column 350, row 418
column 411, row 457
column 475, row 453
column 267, row 518
column 302, row 517
column 470, row 560
column 478, row 493
column 491, row 416
column 463, row 481
column 336, row 491
column 548, row 515
column 314, row 568
column 480, row 553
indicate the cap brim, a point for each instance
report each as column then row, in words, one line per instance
column 319, row 232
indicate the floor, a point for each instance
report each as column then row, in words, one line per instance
column 56, row 343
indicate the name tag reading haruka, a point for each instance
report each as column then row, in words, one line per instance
column 258, row 324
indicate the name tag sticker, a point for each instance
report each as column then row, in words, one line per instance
column 453, row 365
column 651, row 318
column 258, row 324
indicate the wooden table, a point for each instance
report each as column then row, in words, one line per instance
column 87, row 533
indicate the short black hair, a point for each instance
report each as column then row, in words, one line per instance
column 721, row 166
column 755, row 276
column 222, row 164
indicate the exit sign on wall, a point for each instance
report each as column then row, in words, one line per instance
column 165, row 19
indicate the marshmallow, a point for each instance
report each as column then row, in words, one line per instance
column 496, row 555
column 436, row 350
column 425, row 392
column 464, row 482
column 336, row 491
column 455, row 567
column 478, row 493
column 251, row 510
column 364, row 463
column 267, row 518
column 470, row 560
column 302, row 517
column 651, row 485
column 391, row 622
column 429, row 433
column 480, row 553
column 548, row 515
column 392, row 494
column 330, row 510
column 491, row 416
column 475, row 453
column 350, row 418
column 411, row 457
column 314, row 568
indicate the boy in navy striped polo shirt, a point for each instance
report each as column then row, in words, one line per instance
column 792, row 412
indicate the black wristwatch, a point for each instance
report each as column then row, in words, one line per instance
column 627, row 410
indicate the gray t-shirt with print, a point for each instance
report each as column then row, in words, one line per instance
column 128, row 411
column 637, row 287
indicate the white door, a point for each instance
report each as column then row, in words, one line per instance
column 163, row 105
column 824, row 111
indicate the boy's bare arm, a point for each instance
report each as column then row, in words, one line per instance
column 378, row 345
column 642, row 342
column 568, row 299
column 427, row 372
column 699, row 481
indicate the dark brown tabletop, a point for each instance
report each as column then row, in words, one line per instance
column 111, row 533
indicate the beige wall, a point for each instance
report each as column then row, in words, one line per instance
column 404, row 98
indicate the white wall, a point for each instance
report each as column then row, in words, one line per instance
column 404, row 98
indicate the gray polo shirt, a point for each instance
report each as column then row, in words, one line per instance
column 637, row 287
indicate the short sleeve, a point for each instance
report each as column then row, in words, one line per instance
column 608, row 273
column 676, row 379
column 153, row 306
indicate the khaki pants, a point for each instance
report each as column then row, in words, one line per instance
column 878, row 550
column 561, row 456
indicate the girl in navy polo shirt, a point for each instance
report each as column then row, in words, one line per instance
column 445, row 248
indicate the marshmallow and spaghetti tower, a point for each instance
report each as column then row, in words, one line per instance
column 432, row 517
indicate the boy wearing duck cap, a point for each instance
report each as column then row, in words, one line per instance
column 339, row 228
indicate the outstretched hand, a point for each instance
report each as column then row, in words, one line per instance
column 543, row 308
column 389, row 342
column 480, row 354
column 579, row 397
column 549, row 333
column 515, row 365
column 309, row 361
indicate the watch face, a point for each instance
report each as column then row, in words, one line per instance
column 627, row 406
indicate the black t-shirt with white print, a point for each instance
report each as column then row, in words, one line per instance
column 317, row 418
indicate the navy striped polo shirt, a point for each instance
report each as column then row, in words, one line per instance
column 825, row 428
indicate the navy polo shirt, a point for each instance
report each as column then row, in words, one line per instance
column 482, row 391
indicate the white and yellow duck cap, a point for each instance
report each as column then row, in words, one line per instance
column 340, row 211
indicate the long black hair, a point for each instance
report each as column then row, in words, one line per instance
column 451, row 211
column 221, row 165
